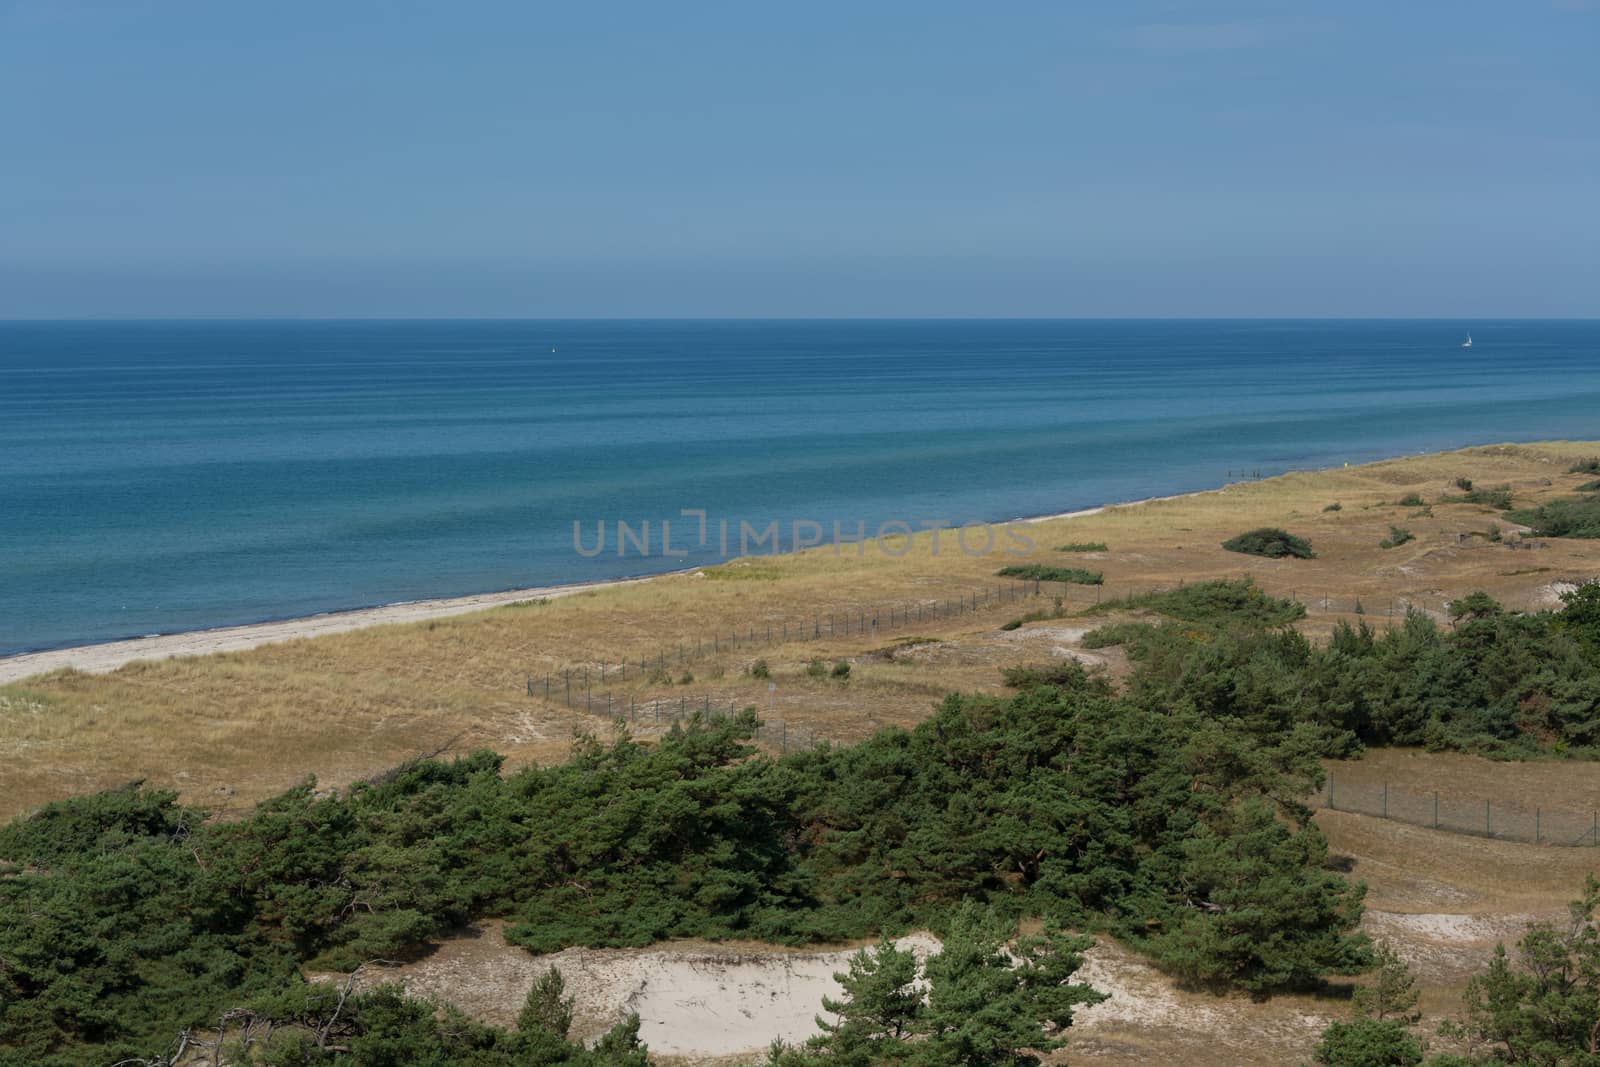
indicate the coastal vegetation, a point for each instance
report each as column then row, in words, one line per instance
column 1082, row 546
column 1497, row 684
column 117, row 941
column 1398, row 535
column 1498, row 497
column 987, row 997
column 127, row 917
column 1224, row 602
column 1271, row 542
column 1169, row 812
column 1577, row 516
column 235, row 728
column 1038, row 572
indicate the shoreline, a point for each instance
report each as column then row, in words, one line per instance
column 105, row 656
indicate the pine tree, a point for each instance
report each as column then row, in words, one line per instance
column 1547, row 1009
column 1393, row 993
column 882, row 1001
column 988, row 1009
column 546, row 1010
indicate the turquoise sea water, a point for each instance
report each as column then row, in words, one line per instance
column 165, row 476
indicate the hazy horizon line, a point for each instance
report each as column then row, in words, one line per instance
column 792, row 318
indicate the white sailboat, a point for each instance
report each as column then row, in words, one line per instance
column 1468, row 342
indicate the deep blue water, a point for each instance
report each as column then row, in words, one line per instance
column 165, row 476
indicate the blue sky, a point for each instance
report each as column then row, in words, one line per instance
column 1414, row 158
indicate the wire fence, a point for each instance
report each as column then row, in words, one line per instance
column 1481, row 817
column 630, row 689
column 663, row 713
column 627, row 690
column 573, row 684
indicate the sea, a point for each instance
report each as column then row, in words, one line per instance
column 163, row 476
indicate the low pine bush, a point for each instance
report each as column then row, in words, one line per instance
column 1038, row 572
column 1271, row 542
column 1398, row 535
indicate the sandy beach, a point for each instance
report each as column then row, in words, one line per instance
column 97, row 659
column 108, row 656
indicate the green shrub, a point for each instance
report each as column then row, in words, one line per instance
column 687, row 679
column 1271, row 542
column 759, row 669
column 1464, row 484
column 1118, row 633
column 1335, row 506
column 1397, row 536
column 1580, row 616
column 816, row 668
column 1411, row 500
column 1368, row 1043
column 1222, row 602
column 1478, row 605
column 841, row 669
column 1082, row 546
column 1586, row 466
column 1498, row 497
column 1590, row 487
column 1037, row 572
column 1055, row 611
column 1567, row 517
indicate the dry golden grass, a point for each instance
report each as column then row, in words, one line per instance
column 230, row 729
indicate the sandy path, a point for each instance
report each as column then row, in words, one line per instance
column 96, row 659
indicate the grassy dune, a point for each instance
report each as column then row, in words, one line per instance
column 231, row 728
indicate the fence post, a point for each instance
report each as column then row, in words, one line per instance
column 1436, row 809
column 530, row 685
column 1385, row 800
column 1488, row 822
column 1331, row 805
